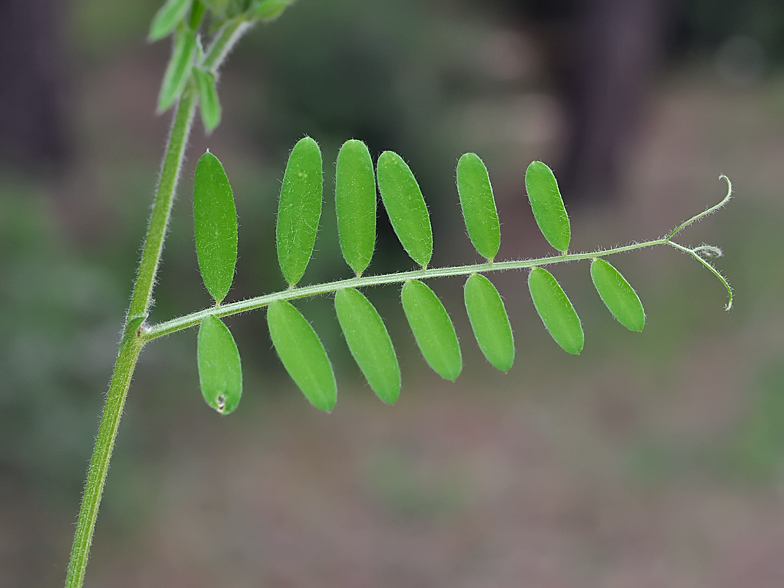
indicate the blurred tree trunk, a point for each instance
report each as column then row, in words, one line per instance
column 31, row 77
column 618, row 44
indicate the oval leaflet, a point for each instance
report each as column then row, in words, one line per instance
column 489, row 321
column 167, row 18
column 547, row 205
column 618, row 295
column 405, row 206
column 209, row 104
column 299, row 209
column 556, row 311
column 302, row 354
column 355, row 204
column 220, row 371
column 178, row 71
column 433, row 329
column 478, row 204
column 215, row 226
column 369, row 343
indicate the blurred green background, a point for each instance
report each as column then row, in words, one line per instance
column 649, row 460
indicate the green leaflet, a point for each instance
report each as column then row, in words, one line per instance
column 618, row 295
column 547, row 205
column 220, row 372
column 433, row 330
column 302, row 354
column 556, row 311
column 478, row 204
column 405, row 206
column 178, row 71
column 369, row 342
column 489, row 321
column 215, row 226
column 167, row 18
column 299, row 209
column 209, row 104
column 355, row 204
column 267, row 10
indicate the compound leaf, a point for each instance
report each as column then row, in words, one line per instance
column 178, row 71
column 302, row 354
column 405, row 206
column 220, row 372
column 547, row 205
column 209, row 104
column 355, row 204
column 167, row 18
column 215, row 226
column 489, row 321
column 478, row 204
column 299, row 209
column 556, row 311
column 618, row 295
column 369, row 343
column 433, row 329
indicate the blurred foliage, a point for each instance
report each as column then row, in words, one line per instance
column 59, row 331
column 410, row 76
column 99, row 30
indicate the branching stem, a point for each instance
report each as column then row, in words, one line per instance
column 132, row 342
column 150, row 332
column 191, row 320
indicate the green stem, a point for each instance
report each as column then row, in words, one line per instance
column 130, row 347
column 132, row 343
column 161, row 211
column 191, row 320
column 141, row 300
column 229, row 34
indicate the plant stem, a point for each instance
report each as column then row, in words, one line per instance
column 191, row 320
column 151, row 332
column 130, row 347
column 159, row 218
column 132, row 341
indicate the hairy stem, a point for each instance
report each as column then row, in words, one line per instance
column 141, row 300
column 164, row 198
column 130, row 347
column 191, row 320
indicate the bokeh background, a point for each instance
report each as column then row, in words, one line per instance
column 650, row 460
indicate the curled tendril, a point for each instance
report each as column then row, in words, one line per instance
column 696, row 254
column 705, row 251
column 706, row 212
column 708, row 251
